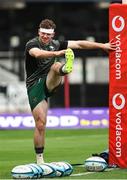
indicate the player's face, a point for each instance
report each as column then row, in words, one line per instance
column 45, row 37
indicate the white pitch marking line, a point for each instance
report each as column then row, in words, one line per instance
column 81, row 174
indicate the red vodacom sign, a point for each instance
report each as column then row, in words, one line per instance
column 118, row 86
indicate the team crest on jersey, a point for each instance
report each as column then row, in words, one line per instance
column 34, row 99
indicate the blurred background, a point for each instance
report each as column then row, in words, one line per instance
column 75, row 20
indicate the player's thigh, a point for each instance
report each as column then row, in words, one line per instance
column 54, row 78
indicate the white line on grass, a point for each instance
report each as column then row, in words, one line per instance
column 85, row 173
column 81, row 174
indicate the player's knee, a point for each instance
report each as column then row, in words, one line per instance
column 41, row 123
column 41, row 126
column 55, row 66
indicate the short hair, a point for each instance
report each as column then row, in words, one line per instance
column 47, row 24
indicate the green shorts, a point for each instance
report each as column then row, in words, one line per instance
column 38, row 92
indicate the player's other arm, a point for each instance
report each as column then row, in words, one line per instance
column 38, row 53
column 82, row 44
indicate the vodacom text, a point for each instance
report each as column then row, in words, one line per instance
column 118, row 28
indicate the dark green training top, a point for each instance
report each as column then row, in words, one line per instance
column 38, row 68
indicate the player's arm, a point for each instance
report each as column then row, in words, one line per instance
column 82, row 44
column 38, row 53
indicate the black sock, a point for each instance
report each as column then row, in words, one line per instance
column 61, row 71
column 39, row 150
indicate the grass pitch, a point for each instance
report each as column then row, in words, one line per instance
column 73, row 146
